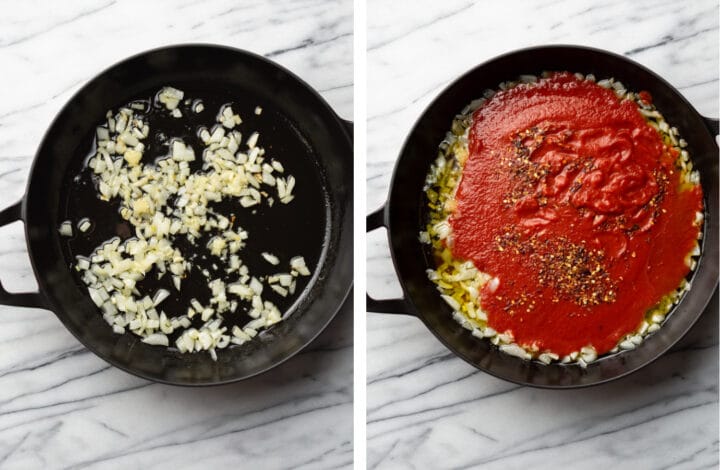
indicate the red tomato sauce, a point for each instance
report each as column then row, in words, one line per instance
column 572, row 200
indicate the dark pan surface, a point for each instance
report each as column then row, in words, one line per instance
column 296, row 125
column 405, row 213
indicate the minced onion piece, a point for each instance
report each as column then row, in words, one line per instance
column 270, row 258
column 156, row 339
column 95, row 296
column 66, row 229
column 279, row 289
column 298, row 265
column 159, row 296
column 82, row 263
column 227, row 118
column 170, row 97
column 252, row 141
column 256, row 286
column 84, row 225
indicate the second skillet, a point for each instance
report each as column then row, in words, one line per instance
column 296, row 123
column 404, row 215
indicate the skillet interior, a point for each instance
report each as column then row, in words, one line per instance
column 314, row 137
column 405, row 212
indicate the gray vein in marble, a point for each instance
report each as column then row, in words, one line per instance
column 45, row 362
column 418, row 27
column 77, row 400
column 442, row 407
column 82, row 14
column 140, row 449
column 430, row 90
column 563, row 443
column 58, row 94
column 665, row 40
column 307, row 43
column 14, row 448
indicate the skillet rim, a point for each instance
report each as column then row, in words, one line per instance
column 345, row 223
column 387, row 210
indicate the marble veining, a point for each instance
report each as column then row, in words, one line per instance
column 62, row 407
column 429, row 409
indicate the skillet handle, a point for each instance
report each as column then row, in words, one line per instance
column 25, row 299
column 401, row 305
column 712, row 124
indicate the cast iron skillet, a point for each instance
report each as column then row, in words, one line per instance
column 403, row 215
column 320, row 145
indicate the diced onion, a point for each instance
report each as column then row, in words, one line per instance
column 160, row 295
column 270, row 258
column 156, row 339
column 298, row 264
column 66, row 229
column 84, row 225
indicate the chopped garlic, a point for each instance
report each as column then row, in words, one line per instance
column 84, row 225
column 252, row 140
column 132, row 157
column 160, row 295
column 280, row 290
column 170, row 97
column 270, row 258
column 66, row 229
column 298, row 265
column 141, row 206
column 156, row 339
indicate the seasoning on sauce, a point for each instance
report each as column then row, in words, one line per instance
column 572, row 200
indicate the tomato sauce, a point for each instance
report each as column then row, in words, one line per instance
column 572, row 200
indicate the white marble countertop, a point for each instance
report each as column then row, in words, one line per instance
column 429, row 409
column 62, row 407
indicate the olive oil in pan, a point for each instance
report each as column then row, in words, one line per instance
column 285, row 230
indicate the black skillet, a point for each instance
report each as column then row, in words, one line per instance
column 296, row 125
column 404, row 214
